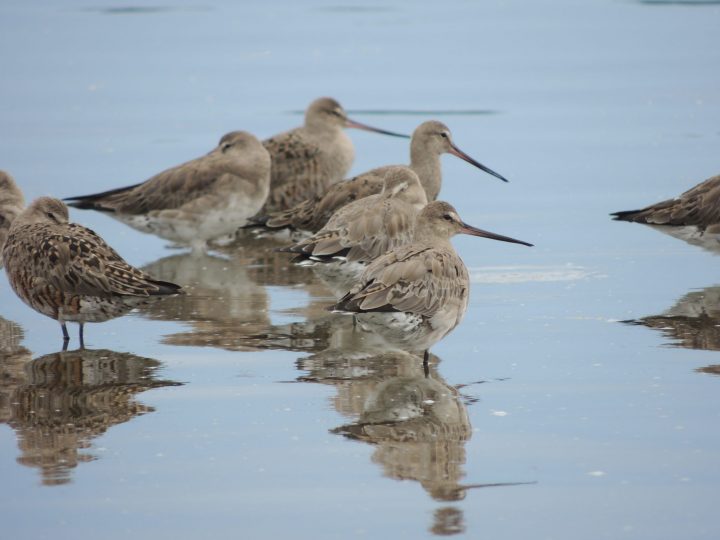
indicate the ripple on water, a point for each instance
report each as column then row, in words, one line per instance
column 523, row 274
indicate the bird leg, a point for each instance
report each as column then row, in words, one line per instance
column 66, row 336
column 82, row 337
column 426, row 366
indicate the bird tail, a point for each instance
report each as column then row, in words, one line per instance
column 166, row 288
column 96, row 201
column 628, row 215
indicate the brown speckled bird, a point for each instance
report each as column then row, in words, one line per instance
column 67, row 272
column 197, row 201
column 430, row 140
column 12, row 203
column 307, row 160
column 416, row 294
column 698, row 206
column 363, row 230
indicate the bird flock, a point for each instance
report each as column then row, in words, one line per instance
column 380, row 240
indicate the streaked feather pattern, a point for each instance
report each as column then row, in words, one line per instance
column 698, row 206
column 67, row 272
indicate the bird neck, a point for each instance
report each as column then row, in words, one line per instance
column 429, row 170
column 425, row 233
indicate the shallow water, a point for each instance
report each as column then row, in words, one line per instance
column 245, row 410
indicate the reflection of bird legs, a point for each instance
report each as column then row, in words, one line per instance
column 66, row 336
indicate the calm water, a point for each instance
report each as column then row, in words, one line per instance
column 244, row 410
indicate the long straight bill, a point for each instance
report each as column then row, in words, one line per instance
column 455, row 151
column 357, row 125
column 474, row 231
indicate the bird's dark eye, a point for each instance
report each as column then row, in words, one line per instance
column 225, row 146
column 447, row 217
column 444, row 135
column 50, row 215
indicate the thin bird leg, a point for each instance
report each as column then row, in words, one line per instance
column 66, row 336
column 426, row 366
column 82, row 337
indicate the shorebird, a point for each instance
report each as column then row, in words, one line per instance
column 365, row 229
column 309, row 159
column 416, row 294
column 429, row 141
column 699, row 207
column 197, row 201
column 67, row 272
column 12, row 203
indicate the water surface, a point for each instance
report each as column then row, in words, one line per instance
column 579, row 397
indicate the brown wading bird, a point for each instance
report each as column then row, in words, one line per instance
column 429, row 141
column 416, row 294
column 699, row 207
column 197, row 201
column 12, row 203
column 309, row 159
column 67, row 272
column 365, row 229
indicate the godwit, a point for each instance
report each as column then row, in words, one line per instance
column 699, row 207
column 67, row 272
column 307, row 160
column 12, row 203
column 429, row 141
column 197, row 201
column 416, row 294
column 365, row 229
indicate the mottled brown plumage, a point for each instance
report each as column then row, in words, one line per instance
column 699, row 206
column 12, row 203
column 67, row 272
column 197, row 201
column 363, row 230
column 429, row 141
column 307, row 160
column 59, row 403
column 416, row 294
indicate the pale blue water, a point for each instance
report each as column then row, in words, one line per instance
column 592, row 107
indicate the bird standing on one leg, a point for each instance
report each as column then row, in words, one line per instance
column 416, row 294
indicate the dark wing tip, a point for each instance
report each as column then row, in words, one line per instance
column 86, row 203
column 625, row 215
column 166, row 288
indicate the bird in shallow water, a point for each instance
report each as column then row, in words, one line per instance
column 416, row 294
column 307, row 160
column 363, row 230
column 197, row 201
column 12, row 203
column 698, row 207
column 67, row 272
column 429, row 141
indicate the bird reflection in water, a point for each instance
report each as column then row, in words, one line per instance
column 58, row 403
column 227, row 302
column 418, row 423
column 692, row 323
